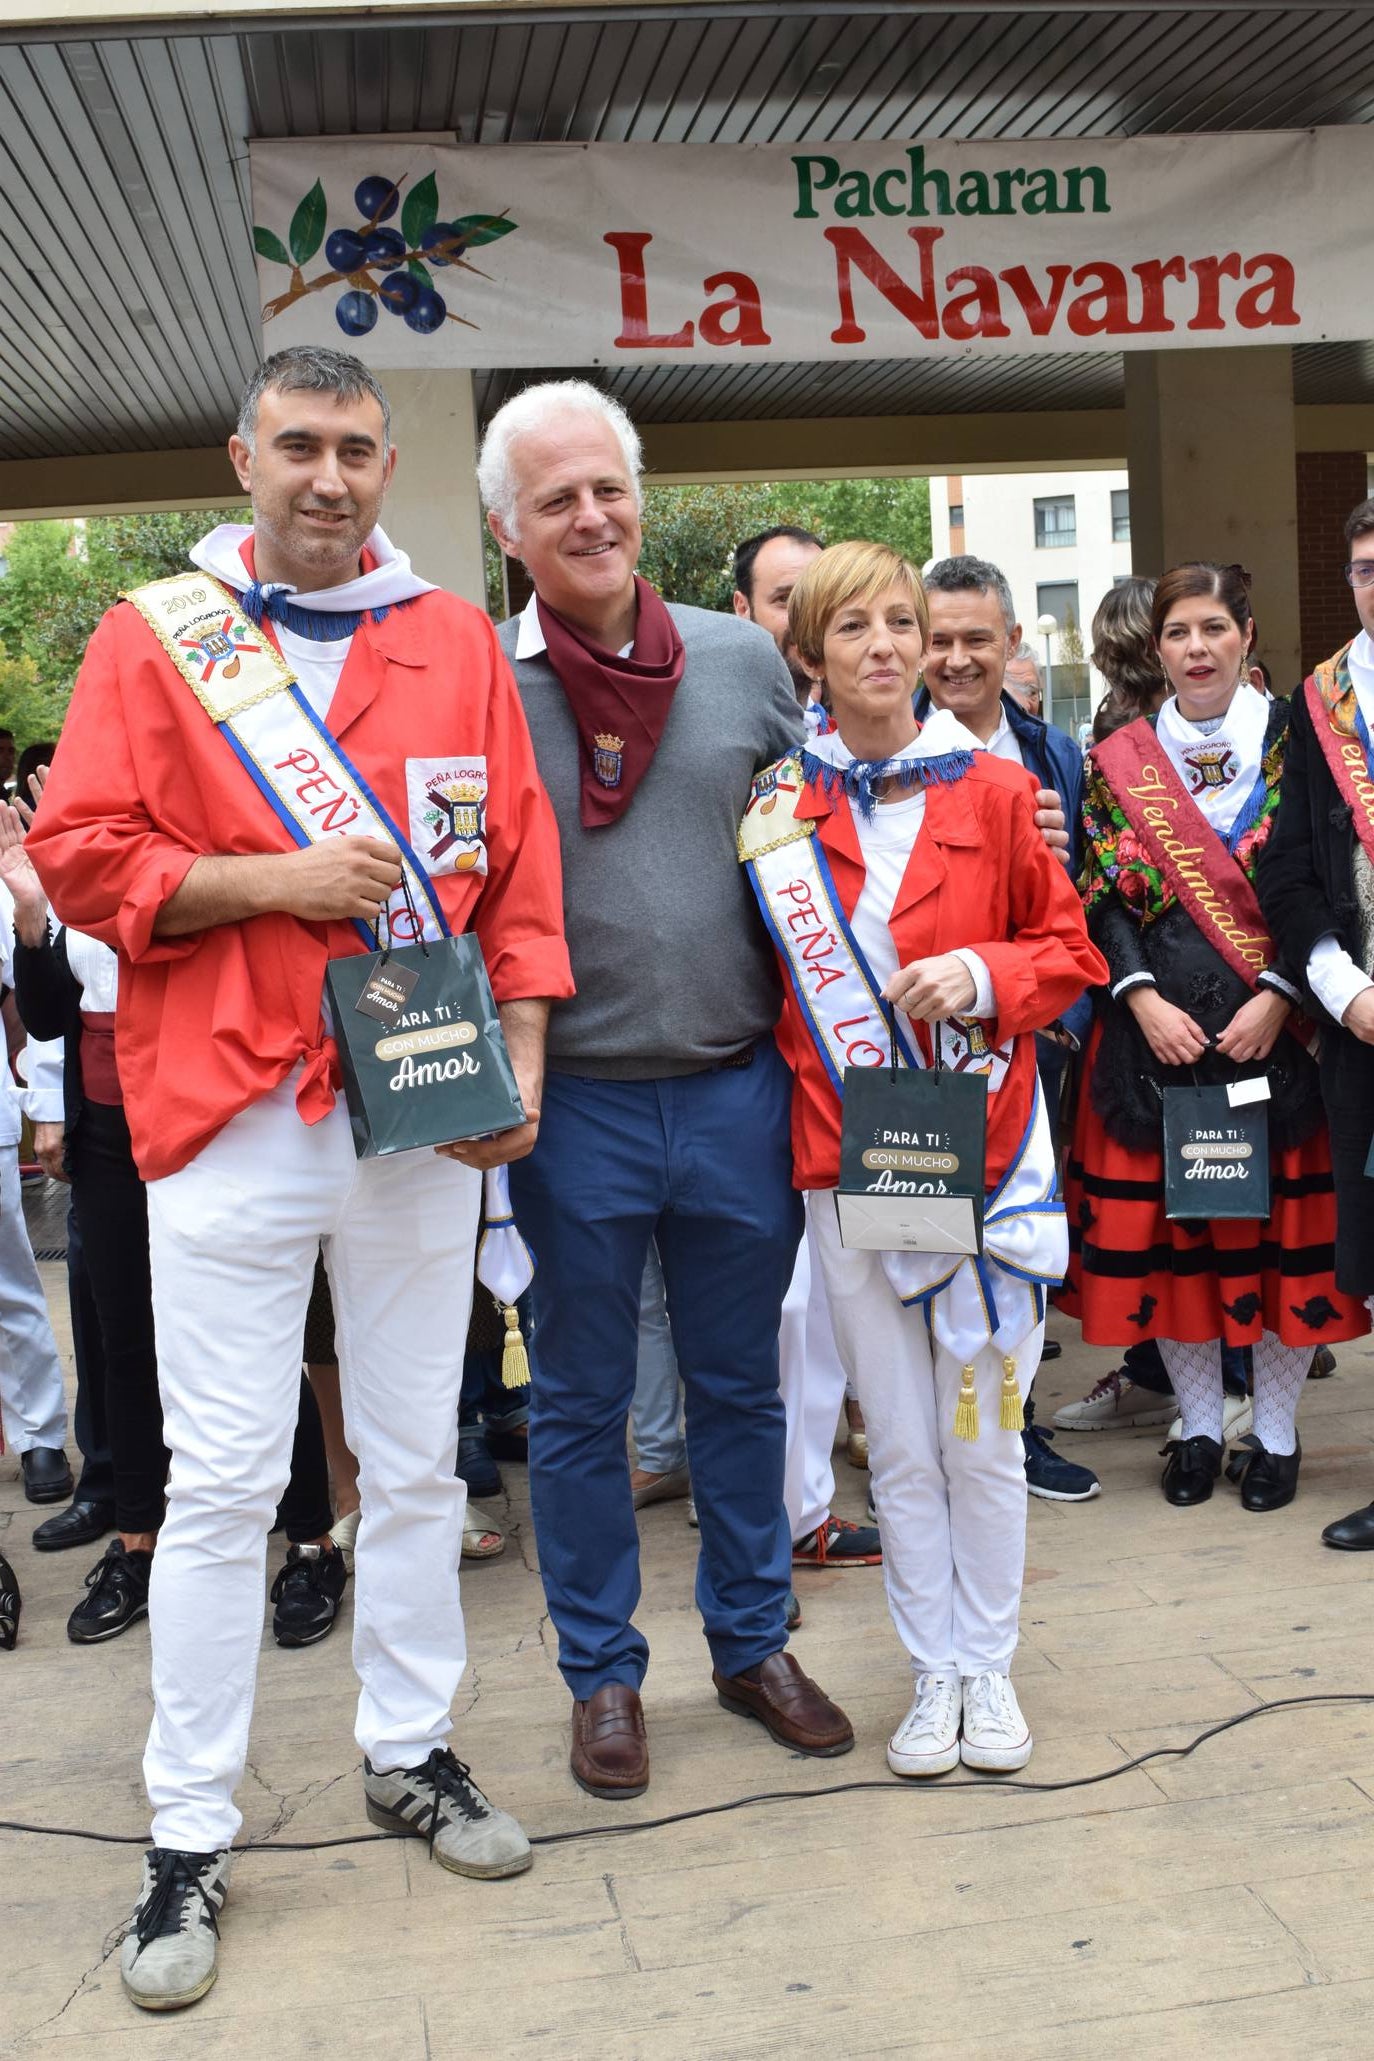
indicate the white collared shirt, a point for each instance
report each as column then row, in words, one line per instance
column 1003, row 743
column 1332, row 974
column 530, row 641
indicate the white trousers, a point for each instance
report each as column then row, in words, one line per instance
column 952, row 1511
column 234, row 1237
column 811, row 1376
column 32, row 1403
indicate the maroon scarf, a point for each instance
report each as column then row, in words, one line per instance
column 620, row 705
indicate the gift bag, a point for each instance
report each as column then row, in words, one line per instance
column 1216, row 1155
column 424, row 1061
column 913, row 1147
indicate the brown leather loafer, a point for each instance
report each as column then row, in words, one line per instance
column 789, row 1704
column 610, row 1750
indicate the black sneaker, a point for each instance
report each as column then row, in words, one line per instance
column 116, row 1596
column 10, row 1606
column 1048, row 1474
column 307, row 1594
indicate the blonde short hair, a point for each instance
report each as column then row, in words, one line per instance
column 847, row 573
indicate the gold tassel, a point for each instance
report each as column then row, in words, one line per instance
column 1013, row 1417
column 515, row 1361
column 966, row 1416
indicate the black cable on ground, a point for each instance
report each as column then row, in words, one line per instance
column 935, row 1786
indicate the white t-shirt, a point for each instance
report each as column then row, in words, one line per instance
column 316, row 665
column 887, row 843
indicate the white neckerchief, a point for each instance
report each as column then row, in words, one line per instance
column 942, row 732
column 1233, row 749
column 316, row 663
column 1360, row 659
column 390, row 580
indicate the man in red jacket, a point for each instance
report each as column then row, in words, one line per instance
column 186, row 823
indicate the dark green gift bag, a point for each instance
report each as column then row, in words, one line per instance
column 424, row 1061
column 913, row 1150
column 1216, row 1156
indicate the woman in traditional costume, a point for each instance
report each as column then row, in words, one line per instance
column 1178, row 807
column 912, row 899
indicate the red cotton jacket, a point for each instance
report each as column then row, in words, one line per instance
column 980, row 878
column 142, row 784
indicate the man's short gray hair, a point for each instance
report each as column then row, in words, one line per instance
column 539, row 408
column 1026, row 655
column 310, row 369
column 972, row 576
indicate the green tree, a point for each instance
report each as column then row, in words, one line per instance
column 60, row 579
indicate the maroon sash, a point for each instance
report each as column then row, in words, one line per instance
column 1177, row 838
column 1344, row 753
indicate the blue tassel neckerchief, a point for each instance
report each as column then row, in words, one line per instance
column 861, row 777
column 319, row 625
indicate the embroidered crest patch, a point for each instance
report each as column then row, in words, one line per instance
column 221, row 647
column 1210, row 766
column 607, row 758
column 447, row 803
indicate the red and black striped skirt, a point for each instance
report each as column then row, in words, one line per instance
column 1134, row 1274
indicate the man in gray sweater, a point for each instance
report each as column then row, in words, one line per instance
column 666, row 1107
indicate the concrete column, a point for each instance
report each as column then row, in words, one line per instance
column 1212, row 454
column 432, row 508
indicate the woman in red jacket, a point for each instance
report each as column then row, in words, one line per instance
column 909, row 893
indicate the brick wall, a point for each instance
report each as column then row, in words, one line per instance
column 1329, row 485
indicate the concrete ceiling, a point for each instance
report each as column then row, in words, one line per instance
column 126, row 263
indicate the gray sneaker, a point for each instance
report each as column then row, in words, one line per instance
column 168, row 1956
column 439, row 1802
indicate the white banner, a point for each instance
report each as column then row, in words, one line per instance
column 416, row 251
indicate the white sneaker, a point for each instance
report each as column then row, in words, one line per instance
column 1237, row 1418
column 1116, row 1400
column 168, row 1956
column 996, row 1736
column 438, row 1801
column 927, row 1740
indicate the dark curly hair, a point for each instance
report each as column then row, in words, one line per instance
column 1124, row 653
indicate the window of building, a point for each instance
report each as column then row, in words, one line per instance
column 1058, row 598
column 956, row 515
column 1121, row 515
column 1056, row 523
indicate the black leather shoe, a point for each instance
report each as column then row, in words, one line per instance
column 1192, row 1467
column 1267, row 1480
column 117, row 1596
column 1352, row 1534
column 80, row 1524
column 47, row 1477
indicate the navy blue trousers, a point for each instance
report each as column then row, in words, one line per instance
column 704, row 1165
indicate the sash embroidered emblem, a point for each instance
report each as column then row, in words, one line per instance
column 1210, row 766
column 222, row 647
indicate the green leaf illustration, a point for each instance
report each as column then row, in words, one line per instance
column 307, row 225
column 476, row 229
column 269, row 246
column 418, row 271
column 419, row 210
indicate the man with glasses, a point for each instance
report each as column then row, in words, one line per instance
column 1316, row 883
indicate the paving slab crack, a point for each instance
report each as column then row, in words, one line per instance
column 632, row 1961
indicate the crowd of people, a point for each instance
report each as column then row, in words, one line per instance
column 719, row 867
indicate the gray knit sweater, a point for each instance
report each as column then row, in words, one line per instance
column 673, row 967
